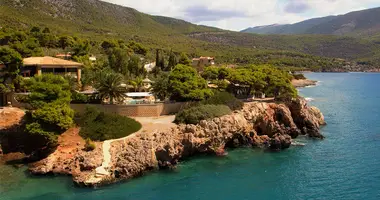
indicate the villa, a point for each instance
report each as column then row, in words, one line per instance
column 150, row 66
column 202, row 62
column 41, row 65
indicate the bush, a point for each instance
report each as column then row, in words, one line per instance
column 54, row 117
column 90, row 145
column 100, row 126
column 225, row 98
column 299, row 76
column 203, row 112
column 78, row 98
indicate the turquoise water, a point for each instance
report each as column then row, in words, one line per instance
column 346, row 165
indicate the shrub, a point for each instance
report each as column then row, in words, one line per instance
column 78, row 98
column 54, row 117
column 225, row 98
column 196, row 114
column 40, row 138
column 299, row 76
column 90, row 145
column 51, row 114
column 100, row 126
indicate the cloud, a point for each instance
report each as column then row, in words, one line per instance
column 200, row 13
column 240, row 14
column 297, row 6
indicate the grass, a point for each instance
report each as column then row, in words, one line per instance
column 100, row 126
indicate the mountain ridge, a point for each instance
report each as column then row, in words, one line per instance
column 98, row 20
column 356, row 23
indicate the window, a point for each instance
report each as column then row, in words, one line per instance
column 59, row 70
column 72, row 69
column 47, row 70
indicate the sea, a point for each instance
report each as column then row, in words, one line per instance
column 345, row 165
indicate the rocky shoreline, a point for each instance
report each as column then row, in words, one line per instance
column 303, row 83
column 258, row 124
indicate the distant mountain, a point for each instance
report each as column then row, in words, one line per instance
column 358, row 23
column 90, row 16
column 97, row 20
column 268, row 29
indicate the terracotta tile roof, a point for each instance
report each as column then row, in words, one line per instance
column 49, row 61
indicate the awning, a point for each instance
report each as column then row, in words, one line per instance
column 139, row 94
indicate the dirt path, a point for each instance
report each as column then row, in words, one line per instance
column 10, row 116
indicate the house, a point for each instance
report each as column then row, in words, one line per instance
column 202, row 62
column 41, row 65
column 150, row 66
column 65, row 56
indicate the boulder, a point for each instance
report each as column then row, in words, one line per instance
column 307, row 119
column 280, row 142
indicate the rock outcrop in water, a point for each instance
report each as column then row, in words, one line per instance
column 262, row 125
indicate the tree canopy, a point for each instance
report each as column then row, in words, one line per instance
column 185, row 84
column 109, row 85
column 51, row 114
column 12, row 62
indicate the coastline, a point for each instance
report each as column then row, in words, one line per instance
column 303, row 83
column 257, row 125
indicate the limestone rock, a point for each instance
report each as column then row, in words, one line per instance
column 258, row 124
column 307, row 119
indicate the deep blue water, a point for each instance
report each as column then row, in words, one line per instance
column 346, row 165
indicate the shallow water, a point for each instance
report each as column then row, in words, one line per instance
column 343, row 166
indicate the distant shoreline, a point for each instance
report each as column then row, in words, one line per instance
column 303, row 83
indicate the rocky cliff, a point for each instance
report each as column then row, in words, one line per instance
column 258, row 124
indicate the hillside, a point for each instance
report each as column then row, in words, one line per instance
column 365, row 23
column 288, row 29
column 98, row 21
column 324, row 45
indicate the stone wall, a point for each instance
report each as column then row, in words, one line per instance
column 145, row 110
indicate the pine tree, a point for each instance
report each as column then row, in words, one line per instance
column 172, row 61
column 160, row 62
column 184, row 60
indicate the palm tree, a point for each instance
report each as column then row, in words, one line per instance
column 74, row 85
column 109, row 85
column 137, row 84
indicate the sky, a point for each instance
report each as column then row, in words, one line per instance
column 241, row 14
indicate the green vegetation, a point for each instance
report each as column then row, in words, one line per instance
column 196, row 114
column 160, row 86
column 9, row 75
column 224, row 98
column 51, row 114
column 257, row 80
column 366, row 25
column 112, row 26
column 100, row 126
column 252, row 80
column 89, row 145
column 299, row 76
column 185, row 84
column 108, row 85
